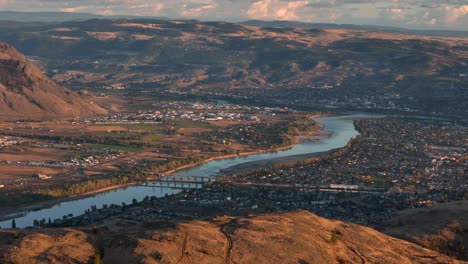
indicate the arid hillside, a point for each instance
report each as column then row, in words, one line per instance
column 293, row 237
column 26, row 93
column 288, row 65
column 192, row 54
column 443, row 227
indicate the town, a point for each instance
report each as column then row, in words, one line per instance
column 401, row 155
column 193, row 111
column 415, row 162
column 173, row 133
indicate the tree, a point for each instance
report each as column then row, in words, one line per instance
column 13, row 224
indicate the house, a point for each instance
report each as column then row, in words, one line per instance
column 344, row 186
column 42, row 176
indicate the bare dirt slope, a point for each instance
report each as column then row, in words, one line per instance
column 25, row 92
column 47, row 246
column 292, row 237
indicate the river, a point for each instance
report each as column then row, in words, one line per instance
column 342, row 127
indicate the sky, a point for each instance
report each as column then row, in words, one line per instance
column 420, row 14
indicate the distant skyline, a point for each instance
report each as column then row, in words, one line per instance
column 416, row 14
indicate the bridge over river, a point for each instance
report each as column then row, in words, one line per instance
column 184, row 181
column 342, row 127
column 179, row 181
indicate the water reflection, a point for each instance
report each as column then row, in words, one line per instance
column 343, row 131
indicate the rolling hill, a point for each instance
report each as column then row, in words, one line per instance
column 291, row 237
column 54, row 17
column 294, row 66
column 26, row 93
column 388, row 29
column 442, row 227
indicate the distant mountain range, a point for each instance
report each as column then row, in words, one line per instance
column 297, row 24
column 269, row 63
column 26, row 93
column 56, row 17
column 51, row 17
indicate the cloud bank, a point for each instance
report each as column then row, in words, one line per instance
column 434, row 14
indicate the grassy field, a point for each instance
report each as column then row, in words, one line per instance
column 153, row 138
column 166, row 145
column 159, row 127
column 116, row 134
column 193, row 124
column 115, row 147
column 147, row 127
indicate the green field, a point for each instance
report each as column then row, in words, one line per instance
column 115, row 147
column 192, row 124
column 115, row 134
column 147, row 127
column 152, row 138
column 154, row 132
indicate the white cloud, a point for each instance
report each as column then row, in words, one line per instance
column 259, row 9
column 196, row 10
column 454, row 15
column 5, row 2
column 105, row 12
column 451, row 14
column 158, row 7
column 74, row 9
column 396, row 11
column 276, row 9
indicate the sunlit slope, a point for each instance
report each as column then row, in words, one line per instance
column 25, row 92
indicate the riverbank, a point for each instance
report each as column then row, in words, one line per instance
column 11, row 213
column 7, row 214
column 298, row 139
column 258, row 164
column 319, row 134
